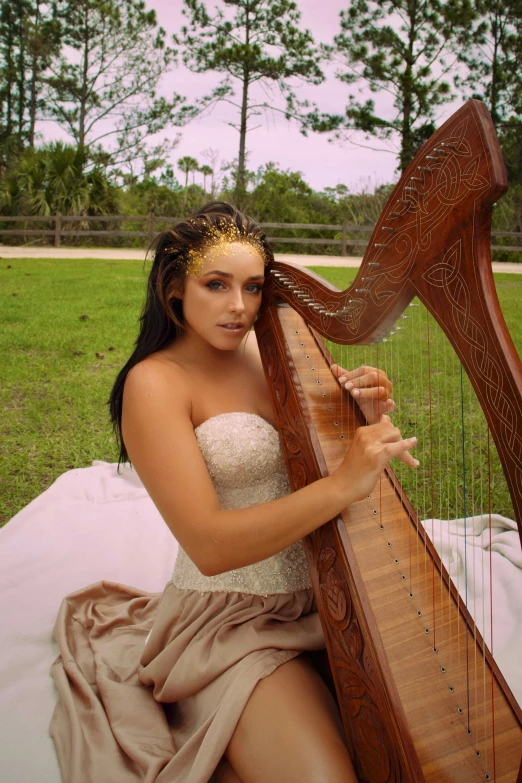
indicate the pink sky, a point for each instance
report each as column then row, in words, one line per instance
column 323, row 164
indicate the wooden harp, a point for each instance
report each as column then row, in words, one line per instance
column 404, row 717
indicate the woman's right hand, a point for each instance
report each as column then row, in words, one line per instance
column 371, row 449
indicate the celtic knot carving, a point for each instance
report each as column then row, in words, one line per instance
column 447, row 276
column 376, row 758
column 414, row 219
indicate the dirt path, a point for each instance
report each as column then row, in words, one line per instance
column 7, row 252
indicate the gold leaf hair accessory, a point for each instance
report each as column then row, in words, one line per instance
column 218, row 239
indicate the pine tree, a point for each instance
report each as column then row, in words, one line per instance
column 399, row 48
column 43, row 44
column 110, row 90
column 494, row 58
column 260, row 43
column 29, row 38
column 493, row 63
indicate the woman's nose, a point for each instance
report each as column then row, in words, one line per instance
column 237, row 304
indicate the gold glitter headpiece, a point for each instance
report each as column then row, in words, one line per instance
column 216, row 239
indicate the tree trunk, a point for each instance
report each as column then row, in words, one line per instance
column 241, row 164
column 518, row 193
column 34, row 79
column 242, row 137
column 32, row 103
column 406, row 130
column 407, row 142
column 10, row 73
column 21, row 76
column 185, row 191
column 85, row 73
column 494, row 73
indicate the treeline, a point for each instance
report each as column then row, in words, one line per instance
column 93, row 67
column 273, row 196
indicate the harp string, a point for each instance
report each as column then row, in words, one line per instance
column 474, row 499
column 442, row 463
column 402, row 370
column 423, row 514
column 432, row 478
column 413, row 338
column 483, row 660
column 394, row 345
column 380, row 358
column 440, row 420
column 465, row 509
column 458, row 514
column 430, row 354
column 482, row 511
column 470, row 502
column 439, row 495
column 491, row 611
column 447, row 420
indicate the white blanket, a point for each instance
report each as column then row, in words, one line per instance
column 90, row 525
column 93, row 524
column 466, row 547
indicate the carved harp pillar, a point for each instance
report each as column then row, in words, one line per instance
column 421, row 695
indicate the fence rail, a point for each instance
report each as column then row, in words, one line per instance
column 61, row 230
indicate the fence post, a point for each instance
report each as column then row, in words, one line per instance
column 343, row 244
column 57, row 229
column 150, row 226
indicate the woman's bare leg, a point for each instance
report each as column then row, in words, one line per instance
column 224, row 772
column 290, row 731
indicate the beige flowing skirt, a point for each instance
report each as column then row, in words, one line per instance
column 164, row 712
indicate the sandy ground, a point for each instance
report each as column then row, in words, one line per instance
column 7, row 252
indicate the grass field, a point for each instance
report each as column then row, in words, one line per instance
column 54, row 387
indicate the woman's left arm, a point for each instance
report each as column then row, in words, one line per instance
column 371, row 389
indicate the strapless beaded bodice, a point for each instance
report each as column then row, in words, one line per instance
column 243, row 456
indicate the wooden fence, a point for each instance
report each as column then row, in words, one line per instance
column 63, row 228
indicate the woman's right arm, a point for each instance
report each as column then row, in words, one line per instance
column 160, row 440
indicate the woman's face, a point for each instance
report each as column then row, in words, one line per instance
column 225, row 290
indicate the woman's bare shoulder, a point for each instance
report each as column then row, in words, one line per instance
column 163, row 364
column 162, row 446
column 159, row 375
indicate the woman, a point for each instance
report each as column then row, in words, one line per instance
column 192, row 410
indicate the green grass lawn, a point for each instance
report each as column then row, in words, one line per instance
column 54, row 388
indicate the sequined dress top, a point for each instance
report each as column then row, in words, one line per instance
column 244, row 458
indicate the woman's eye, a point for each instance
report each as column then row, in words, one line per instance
column 214, row 283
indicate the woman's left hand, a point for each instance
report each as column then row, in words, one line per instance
column 370, row 387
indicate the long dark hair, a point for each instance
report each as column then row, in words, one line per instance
column 162, row 320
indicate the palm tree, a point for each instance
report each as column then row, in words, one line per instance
column 207, row 172
column 186, row 165
column 212, row 156
column 53, row 178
